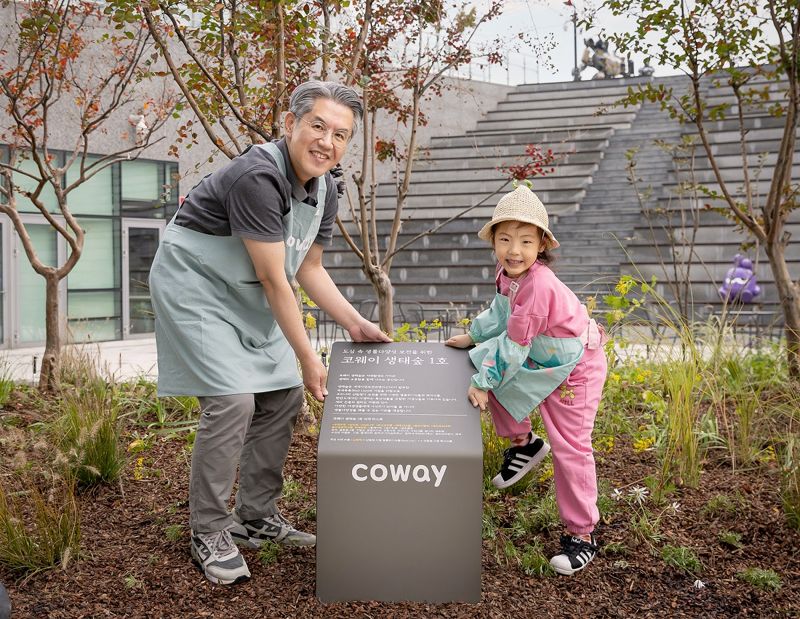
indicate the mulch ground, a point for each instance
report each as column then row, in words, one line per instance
column 135, row 559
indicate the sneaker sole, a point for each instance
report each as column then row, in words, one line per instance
column 564, row 572
column 255, row 542
column 499, row 482
column 214, row 579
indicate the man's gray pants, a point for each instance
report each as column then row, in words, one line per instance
column 252, row 431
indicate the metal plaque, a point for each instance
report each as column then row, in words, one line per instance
column 399, row 476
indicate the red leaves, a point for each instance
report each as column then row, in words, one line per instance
column 538, row 162
column 385, row 150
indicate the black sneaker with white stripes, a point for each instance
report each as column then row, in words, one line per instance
column 518, row 461
column 575, row 554
column 273, row 528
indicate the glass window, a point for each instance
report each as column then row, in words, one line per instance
column 140, row 180
column 26, row 183
column 31, row 285
column 85, row 304
column 142, row 246
column 93, row 330
column 95, row 269
column 94, row 196
column 173, row 178
column 93, row 294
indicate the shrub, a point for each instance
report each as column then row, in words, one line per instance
column 719, row 505
column 535, row 514
column 533, row 561
column 269, row 552
column 89, row 432
column 731, row 538
column 39, row 522
column 790, row 481
column 6, row 383
column 681, row 558
column 761, row 579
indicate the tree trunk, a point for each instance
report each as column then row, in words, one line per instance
column 48, row 378
column 789, row 296
column 326, row 40
column 383, row 289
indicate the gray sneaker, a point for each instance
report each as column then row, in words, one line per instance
column 219, row 558
column 275, row 528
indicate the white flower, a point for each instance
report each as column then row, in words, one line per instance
column 699, row 584
column 639, row 494
column 616, row 494
column 675, row 507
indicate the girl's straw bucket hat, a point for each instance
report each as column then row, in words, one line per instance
column 520, row 205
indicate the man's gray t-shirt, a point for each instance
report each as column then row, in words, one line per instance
column 249, row 196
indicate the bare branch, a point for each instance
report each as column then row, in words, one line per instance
column 200, row 65
column 215, row 139
column 447, row 221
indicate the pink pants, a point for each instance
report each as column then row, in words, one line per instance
column 568, row 415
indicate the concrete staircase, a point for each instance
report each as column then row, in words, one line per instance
column 454, row 267
column 594, row 209
column 715, row 240
column 594, row 239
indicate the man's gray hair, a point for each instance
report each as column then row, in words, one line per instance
column 307, row 93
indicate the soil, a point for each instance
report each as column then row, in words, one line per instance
column 135, row 560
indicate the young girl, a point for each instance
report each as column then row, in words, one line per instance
column 537, row 346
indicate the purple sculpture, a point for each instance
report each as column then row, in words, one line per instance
column 740, row 282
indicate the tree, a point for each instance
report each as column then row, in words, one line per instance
column 234, row 61
column 398, row 53
column 242, row 58
column 62, row 65
column 738, row 43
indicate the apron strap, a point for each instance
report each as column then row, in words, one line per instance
column 277, row 155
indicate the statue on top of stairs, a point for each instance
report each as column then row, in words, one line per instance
column 607, row 64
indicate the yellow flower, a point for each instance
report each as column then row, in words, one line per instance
column 604, row 444
column 643, row 444
column 137, row 445
column 547, row 472
column 614, row 377
column 768, row 455
column 138, row 469
column 311, row 322
column 624, row 285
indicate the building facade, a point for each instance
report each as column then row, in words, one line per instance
column 124, row 210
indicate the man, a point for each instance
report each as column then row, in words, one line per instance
column 228, row 328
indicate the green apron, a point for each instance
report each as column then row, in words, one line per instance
column 549, row 361
column 215, row 333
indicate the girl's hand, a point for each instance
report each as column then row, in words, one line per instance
column 460, row 341
column 478, row 398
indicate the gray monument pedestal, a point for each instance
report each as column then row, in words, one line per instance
column 399, row 476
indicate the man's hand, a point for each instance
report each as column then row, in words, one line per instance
column 460, row 341
column 478, row 398
column 314, row 377
column 365, row 331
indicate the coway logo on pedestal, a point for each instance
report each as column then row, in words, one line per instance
column 420, row 473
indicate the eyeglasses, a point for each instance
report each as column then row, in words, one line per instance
column 339, row 137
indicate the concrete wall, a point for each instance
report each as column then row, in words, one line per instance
column 116, row 133
column 460, row 107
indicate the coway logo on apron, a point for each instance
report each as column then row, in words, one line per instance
column 292, row 242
